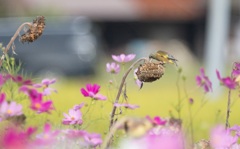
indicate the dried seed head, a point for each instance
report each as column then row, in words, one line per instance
column 149, row 71
column 137, row 127
column 202, row 144
column 175, row 124
column 34, row 31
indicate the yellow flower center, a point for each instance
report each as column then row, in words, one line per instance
column 46, row 136
column 38, row 105
column 72, row 118
column 9, row 111
column 238, row 79
column 45, row 86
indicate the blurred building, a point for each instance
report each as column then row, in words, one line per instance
column 130, row 25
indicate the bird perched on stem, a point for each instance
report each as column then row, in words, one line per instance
column 164, row 57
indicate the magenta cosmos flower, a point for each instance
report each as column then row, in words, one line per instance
column 126, row 105
column 203, row 81
column 227, row 81
column 14, row 138
column 45, row 86
column 122, row 58
column 2, row 98
column 112, row 68
column 73, row 117
column 20, row 80
column 92, row 91
column 37, row 104
column 156, row 120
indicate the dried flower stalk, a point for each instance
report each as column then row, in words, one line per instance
column 35, row 30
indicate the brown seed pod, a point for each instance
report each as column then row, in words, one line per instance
column 34, row 31
column 202, row 144
column 149, row 71
column 137, row 127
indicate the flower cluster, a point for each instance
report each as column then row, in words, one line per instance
column 37, row 103
column 141, row 133
column 221, row 138
column 45, row 86
column 113, row 67
column 163, row 135
column 63, row 138
column 230, row 82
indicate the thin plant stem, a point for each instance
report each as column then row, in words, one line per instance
column 229, row 103
column 190, row 113
column 203, row 103
column 12, row 40
column 191, row 124
column 113, row 129
column 228, row 109
column 179, row 99
column 120, row 92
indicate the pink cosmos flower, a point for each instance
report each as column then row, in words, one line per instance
column 78, row 107
column 236, row 70
column 227, row 81
column 45, row 85
column 37, row 104
column 47, row 137
column 122, row 58
column 221, row 138
column 126, row 105
column 10, row 109
column 203, row 81
column 137, row 81
column 236, row 129
column 166, row 139
column 156, row 120
column 84, row 138
column 74, row 134
column 91, row 91
column 93, row 139
column 112, row 68
column 73, row 117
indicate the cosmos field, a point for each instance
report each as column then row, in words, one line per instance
column 128, row 103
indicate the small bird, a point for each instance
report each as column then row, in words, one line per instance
column 163, row 57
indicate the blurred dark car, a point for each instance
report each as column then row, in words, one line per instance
column 66, row 47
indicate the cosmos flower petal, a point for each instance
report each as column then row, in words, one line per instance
column 100, row 97
column 95, row 88
column 84, row 92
